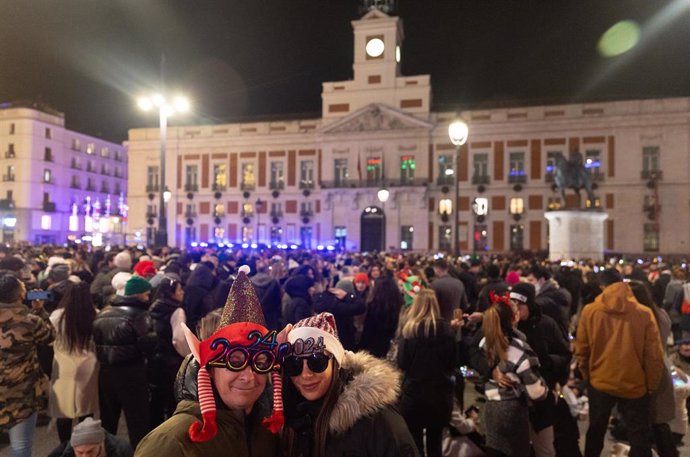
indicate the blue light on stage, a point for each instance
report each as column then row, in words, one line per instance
column 203, row 245
column 194, row 244
column 319, row 247
column 293, row 246
column 330, row 248
column 245, row 245
column 254, row 245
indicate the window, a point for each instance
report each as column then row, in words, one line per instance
column 10, row 173
column 374, row 171
column 340, row 237
column 480, row 238
column 277, row 176
column 651, row 166
column 248, row 178
column 305, row 236
column 551, row 165
column 445, row 169
column 406, row 237
column 554, row 203
column 276, row 209
column 480, row 206
column 75, row 164
column 407, row 167
column 48, row 155
column 651, row 237
column 481, row 169
column 191, row 178
column 593, row 163
column 10, row 154
column 516, row 173
column 341, row 173
column 12, row 129
column 306, row 174
column 105, row 152
column 89, row 184
column 47, row 176
column 118, row 188
column 118, row 156
column 517, row 205
column 445, row 238
column 105, row 187
column 517, row 234
column 190, row 234
column 247, row 233
column 593, row 204
column 75, row 182
column 48, row 133
column 219, row 210
column 90, row 148
column 219, row 233
column 105, row 170
column 276, row 234
column 152, row 179
column 306, row 209
column 151, row 211
column 220, row 177
column 76, row 144
column 445, row 206
column 247, row 209
column 190, row 211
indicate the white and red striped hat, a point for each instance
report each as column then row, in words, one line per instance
column 322, row 326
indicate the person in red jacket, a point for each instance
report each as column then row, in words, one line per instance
column 619, row 353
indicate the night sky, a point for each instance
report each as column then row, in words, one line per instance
column 267, row 58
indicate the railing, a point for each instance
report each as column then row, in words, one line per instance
column 306, row 213
column 306, row 184
column 277, row 185
column 105, row 172
column 596, row 175
column 276, row 214
column 481, row 179
column 90, row 187
column 219, row 187
column 517, row 179
column 651, row 174
column 247, row 186
column 151, row 214
column 190, row 214
column 549, row 177
column 6, row 203
column 48, row 158
column 49, row 207
column 10, row 154
column 75, row 166
column 7, row 178
column 218, row 214
column 191, row 187
column 75, row 185
column 105, row 190
column 152, row 188
column 445, row 180
column 364, row 183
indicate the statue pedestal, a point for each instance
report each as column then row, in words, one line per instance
column 576, row 235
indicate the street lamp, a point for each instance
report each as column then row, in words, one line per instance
column 458, row 131
column 179, row 104
column 383, row 195
column 258, row 204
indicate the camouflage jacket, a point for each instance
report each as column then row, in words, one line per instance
column 23, row 387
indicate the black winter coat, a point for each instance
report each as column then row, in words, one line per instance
column 427, row 364
column 199, row 299
column 547, row 340
column 166, row 361
column 268, row 291
column 123, row 333
column 344, row 312
column 378, row 332
column 555, row 303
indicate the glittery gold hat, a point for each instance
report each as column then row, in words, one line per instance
column 242, row 304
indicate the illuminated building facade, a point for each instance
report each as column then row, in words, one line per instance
column 58, row 185
column 315, row 181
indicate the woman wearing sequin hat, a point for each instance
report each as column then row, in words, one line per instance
column 234, row 364
column 338, row 403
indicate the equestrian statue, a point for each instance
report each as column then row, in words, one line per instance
column 572, row 174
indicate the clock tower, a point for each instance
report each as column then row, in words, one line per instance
column 378, row 39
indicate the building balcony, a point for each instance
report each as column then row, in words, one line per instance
column 517, row 179
column 481, row 179
column 549, row 177
column 105, row 190
column 373, row 183
column 219, row 187
column 306, row 213
column 306, row 184
column 90, row 169
column 8, row 178
column 277, row 214
column 216, row 214
column 277, row 185
column 75, row 185
column 651, row 174
column 190, row 214
column 191, row 187
column 151, row 214
column 152, row 188
column 49, row 207
column 10, row 154
column 75, row 166
column 48, row 158
column 445, row 180
column 247, row 213
column 247, row 186
column 90, row 187
column 596, row 175
column 105, row 172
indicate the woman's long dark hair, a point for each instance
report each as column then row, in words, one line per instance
column 643, row 295
column 291, row 397
column 165, row 290
column 77, row 320
column 386, row 300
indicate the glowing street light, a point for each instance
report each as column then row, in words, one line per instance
column 458, row 132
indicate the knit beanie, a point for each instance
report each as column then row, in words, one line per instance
column 119, row 281
column 513, row 277
column 145, row 268
column 319, row 328
column 88, row 431
column 242, row 324
column 361, row 277
column 123, row 260
column 136, row 285
column 523, row 292
column 59, row 272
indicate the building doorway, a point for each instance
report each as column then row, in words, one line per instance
column 373, row 229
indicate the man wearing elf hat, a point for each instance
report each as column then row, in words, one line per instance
column 234, row 365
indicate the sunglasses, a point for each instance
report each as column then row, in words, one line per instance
column 317, row 363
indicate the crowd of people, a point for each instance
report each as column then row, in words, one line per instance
column 275, row 353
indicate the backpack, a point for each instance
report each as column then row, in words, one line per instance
column 685, row 306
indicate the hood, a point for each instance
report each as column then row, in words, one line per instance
column 374, row 385
column 298, row 286
column 202, row 276
column 617, row 299
column 551, row 284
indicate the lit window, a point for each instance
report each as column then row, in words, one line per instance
column 374, row 172
column 407, row 167
column 517, row 164
column 445, row 206
column 105, row 152
column 219, row 177
column 517, row 205
column 248, row 178
column 90, row 148
column 481, row 206
column 306, row 177
column 46, row 222
column 47, row 176
column 651, row 237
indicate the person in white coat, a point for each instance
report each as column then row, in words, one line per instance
column 74, row 382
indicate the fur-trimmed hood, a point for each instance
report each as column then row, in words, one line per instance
column 374, row 384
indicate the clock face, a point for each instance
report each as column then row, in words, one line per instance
column 375, row 47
